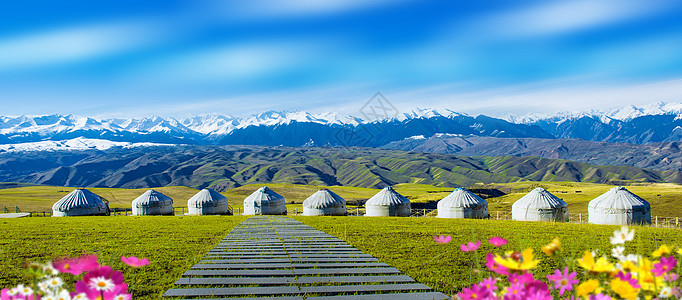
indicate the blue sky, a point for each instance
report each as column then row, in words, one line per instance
column 181, row 58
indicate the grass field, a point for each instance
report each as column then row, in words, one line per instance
column 407, row 243
column 172, row 244
column 665, row 198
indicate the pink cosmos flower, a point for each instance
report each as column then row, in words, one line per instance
column 471, row 246
column 497, row 241
column 666, row 265
column 671, row 277
column 521, row 278
column 629, row 279
column 489, row 283
column 600, row 296
column 494, row 266
column 475, row 292
column 82, row 287
column 515, row 291
column 136, row 262
column 104, row 272
column 76, row 266
column 442, row 239
column 563, row 281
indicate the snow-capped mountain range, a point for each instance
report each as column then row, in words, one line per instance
column 651, row 123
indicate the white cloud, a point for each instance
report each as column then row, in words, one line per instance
column 74, row 44
column 567, row 15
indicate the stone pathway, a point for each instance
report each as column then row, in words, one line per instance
column 280, row 258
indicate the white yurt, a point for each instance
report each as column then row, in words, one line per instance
column 152, row 202
column 265, row 201
column 540, row 205
column 207, row 202
column 619, row 206
column 388, row 202
column 324, row 203
column 80, row 202
column 462, row 203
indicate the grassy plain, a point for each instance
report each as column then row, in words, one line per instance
column 665, row 198
column 172, row 244
column 407, row 243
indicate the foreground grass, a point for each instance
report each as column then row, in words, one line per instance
column 172, row 244
column 407, row 243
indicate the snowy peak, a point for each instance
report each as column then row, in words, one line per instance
column 625, row 113
column 72, row 144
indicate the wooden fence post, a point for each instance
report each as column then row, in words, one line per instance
column 580, row 218
column 656, row 221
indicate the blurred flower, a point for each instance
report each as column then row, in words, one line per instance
column 602, row 265
column 101, row 284
column 600, row 296
column 518, row 262
column 664, row 266
column 136, row 262
column 80, row 296
column 442, row 239
column 627, row 277
column 552, row 247
column 54, row 282
column 521, row 278
column 489, row 283
column 493, row 266
column 665, row 293
column 623, row 235
column 471, row 246
column 476, row 292
column 497, row 241
column 618, row 252
column 671, row 277
column 515, row 291
column 76, row 266
column 24, row 290
column 563, row 281
column 123, row 297
column 662, row 250
column 624, row 289
column 588, row 287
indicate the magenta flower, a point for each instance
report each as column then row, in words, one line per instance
column 515, row 291
column 629, row 279
column 119, row 289
column 521, row 278
column 497, row 241
column 475, row 292
column 671, row 277
column 666, row 265
column 494, row 266
column 563, row 281
column 442, row 239
column 76, row 266
column 136, row 262
column 7, row 294
column 489, row 283
column 471, row 246
column 600, row 296
column 104, row 272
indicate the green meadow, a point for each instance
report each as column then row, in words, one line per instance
column 174, row 244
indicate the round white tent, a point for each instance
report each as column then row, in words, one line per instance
column 207, row 202
column 324, row 203
column 388, row 202
column 265, row 201
column 540, row 205
column 618, row 206
column 152, row 202
column 80, row 202
column 462, row 203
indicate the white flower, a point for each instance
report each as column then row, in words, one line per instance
column 49, row 297
column 54, row 282
column 63, row 295
column 618, row 252
column 49, row 269
column 43, row 286
column 102, row 284
column 80, row 296
column 121, row 297
column 13, row 292
column 666, row 292
column 623, row 235
column 635, row 258
column 24, row 290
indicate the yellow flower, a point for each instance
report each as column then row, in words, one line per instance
column 587, row 287
column 526, row 261
column 679, row 251
column 624, row 289
column 629, row 266
column 552, row 247
column 663, row 250
column 602, row 265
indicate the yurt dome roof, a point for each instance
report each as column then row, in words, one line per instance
column 79, row 199
column 323, row 198
column 151, row 197
column 264, row 194
column 462, row 197
column 206, row 196
column 541, row 199
column 618, row 198
column 387, row 197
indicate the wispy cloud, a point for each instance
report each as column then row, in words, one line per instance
column 567, row 16
column 74, row 44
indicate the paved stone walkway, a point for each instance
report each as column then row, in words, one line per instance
column 280, row 258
